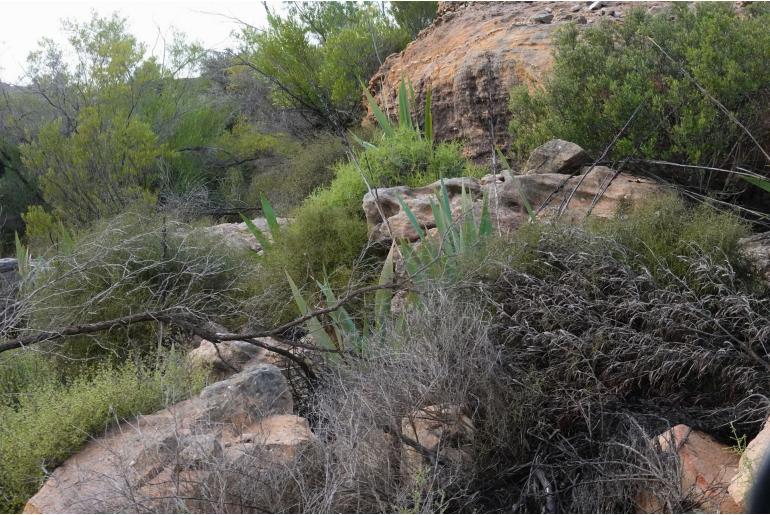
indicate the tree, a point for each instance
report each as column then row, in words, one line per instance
column 318, row 54
column 413, row 16
column 96, row 171
column 125, row 125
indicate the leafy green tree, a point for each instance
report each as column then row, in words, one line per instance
column 413, row 16
column 98, row 170
column 317, row 55
column 126, row 125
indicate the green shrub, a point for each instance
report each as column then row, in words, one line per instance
column 603, row 73
column 663, row 234
column 329, row 231
column 311, row 166
column 22, row 371
column 51, row 420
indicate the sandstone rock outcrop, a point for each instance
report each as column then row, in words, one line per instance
column 471, row 57
column 556, row 156
column 706, row 469
column 505, row 194
column 227, row 358
column 182, row 458
column 757, row 249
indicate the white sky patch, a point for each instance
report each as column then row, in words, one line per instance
column 24, row 22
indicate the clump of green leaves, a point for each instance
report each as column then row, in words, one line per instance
column 317, row 52
column 43, row 421
column 602, row 74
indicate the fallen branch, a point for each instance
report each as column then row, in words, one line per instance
column 181, row 319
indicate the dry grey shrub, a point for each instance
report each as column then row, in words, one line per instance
column 439, row 355
column 568, row 356
column 136, row 262
column 605, row 356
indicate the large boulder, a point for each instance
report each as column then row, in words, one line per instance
column 185, row 457
column 556, row 156
column 472, row 55
column 599, row 190
column 706, row 468
column 238, row 235
column 227, row 358
column 749, row 465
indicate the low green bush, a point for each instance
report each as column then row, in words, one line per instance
column 22, row 371
column 329, row 231
column 602, row 74
column 663, row 234
column 51, row 420
column 310, row 166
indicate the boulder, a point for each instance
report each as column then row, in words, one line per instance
column 233, row 356
column 8, row 265
column 556, row 156
column 706, row 469
column 751, row 461
column 167, row 461
column 443, row 430
column 238, row 236
column 470, row 57
column 542, row 17
column 757, row 249
column 598, row 189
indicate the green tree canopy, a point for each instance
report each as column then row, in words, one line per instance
column 318, row 54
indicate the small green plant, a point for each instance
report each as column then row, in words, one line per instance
column 272, row 224
column 741, row 441
column 435, row 256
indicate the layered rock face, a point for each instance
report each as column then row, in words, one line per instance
column 192, row 456
column 471, row 57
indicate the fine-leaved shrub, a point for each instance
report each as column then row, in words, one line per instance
column 136, row 262
column 602, row 74
column 49, row 420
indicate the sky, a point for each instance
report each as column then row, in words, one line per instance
column 24, row 22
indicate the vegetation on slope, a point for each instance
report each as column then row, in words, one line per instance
column 658, row 76
column 568, row 346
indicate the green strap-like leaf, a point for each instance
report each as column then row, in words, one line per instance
column 263, row 241
column 485, row 224
column 384, row 297
column 272, row 219
column 383, row 120
column 313, row 325
column 361, row 142
column 756, row 181
column 404, row 118
column 502, row 159
column 428, row 118
column 411, row 217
